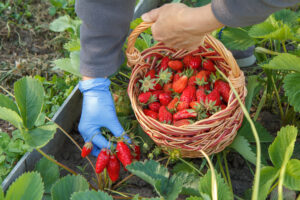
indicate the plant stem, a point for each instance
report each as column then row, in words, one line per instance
column 221, row 167
column 258, row 149
column 278, row 99
column 251, row 171
column 265, row 51
column 8, row 92
column 125, row 75
column 283, row 46
column 191, row 166
column 261, row 104
column 227, row 170
column 167, row 163
column 122, row 181
column 273, row 187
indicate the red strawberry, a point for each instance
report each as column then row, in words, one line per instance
column 86, row 149
column 176, row 77
column 157, row 86
column 194, row 105
column 195, row 62
column 182, row 105
column 185, row 114
column 208, row 65
column 182, row 122
column 214, row 96
column 124, row 154
column 156, row 93
column 164, row 63
column 137, row 152
column 202, row 76
column 188, row 94
column 192, row 80
column 180, row 84
column 172, row 105
column 144, row 97
column 205, row 87
column 165, row 98
column 186, row 59
column 201, row 96
column 102, row 160
column 164, row 115
column 175, row 65
column 223, row 106
column 151, row 73
column 154, row 106
column 150, row 113
column 113, row 168
column 223, row 88
column 167, row 87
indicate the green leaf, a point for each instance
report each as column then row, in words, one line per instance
column 292, row 175
column 49, row 172
column 39, row 136
column 286, row 16
column 283, row 143
column 11, row 116
column 66, row 65
column 242, row 146
column 253, row 87
column 223, row 189
column 28, row 186
column 264, row 135
column 292, row 89
column 91, row 195
column 284, row 61
column 29, row 94
column 61, row 24
column 1, row 194
column 73, row 45
column 65, row 187
column 190, row 183
column 267, row 177
column 194, row 198
column 183, row 167
column 170, row 188
column 6, row 102
column 236, row 39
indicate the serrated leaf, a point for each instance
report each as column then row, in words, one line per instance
column 286, row 16
column 182, row 167
column 242, row 146
column 292, row 89
column 65, row 187
column 292, row 175
column 268, row 175
column 6, row 102
column 264, row 135
column 284, row 61
column 49, row 172
column 61, row 24
column 11, row 116
column 28, row 186
column 170, row 188
column 236, row 39
column 283, row 143
column 73, row 45
column 223, row 189
column 65, row 64
column 253, row 87
column 39, row 136
column 190, row 183
column 29, row 94
column 91, row 195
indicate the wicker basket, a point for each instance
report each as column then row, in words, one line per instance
column 210, row 135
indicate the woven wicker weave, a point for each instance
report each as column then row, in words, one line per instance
column 211, row 135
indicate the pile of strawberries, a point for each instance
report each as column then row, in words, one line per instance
column 110, row 160
column 182, row 91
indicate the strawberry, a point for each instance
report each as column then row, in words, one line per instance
column 223, row 106
column 194, row 105
column 102, row 160
column 202, row 76
column 185, row 114
column 167, row 88
column 164, row 63
column 164, row 115
column 156, row 86
column 165, row 98
column 186, row 59
column 144, row 97
column 150, row 113
column 154, row 106
column 182, row 122
column 179, row 85
column 182, row 105
column 205, row 87
column 177, row 76
column 175, row 65
column 172, row 105
column 214, row 96
column 113, row 168
column 148, row 84
column 223, row 88
column 208, row 65
column 124, row 154
column 192, row 81
column 151, row 73
column 201, row 96
column 86, row 149
column 188, row 94
column 137, row 152
column 165, row 76
column 195, row 62
column 156, row 93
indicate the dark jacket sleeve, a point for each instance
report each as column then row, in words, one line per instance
column 237, row 13
column 105, row 25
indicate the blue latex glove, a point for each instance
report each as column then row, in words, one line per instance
column 98, row 110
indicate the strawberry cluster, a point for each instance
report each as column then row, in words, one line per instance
column 182, row 91
column 110, row 159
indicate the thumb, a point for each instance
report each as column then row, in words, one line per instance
column 151, row 16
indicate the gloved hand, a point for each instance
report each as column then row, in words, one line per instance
column 98, row 111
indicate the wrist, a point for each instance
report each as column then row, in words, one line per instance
column 94, row 83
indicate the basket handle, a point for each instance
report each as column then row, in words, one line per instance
column 132, row 53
